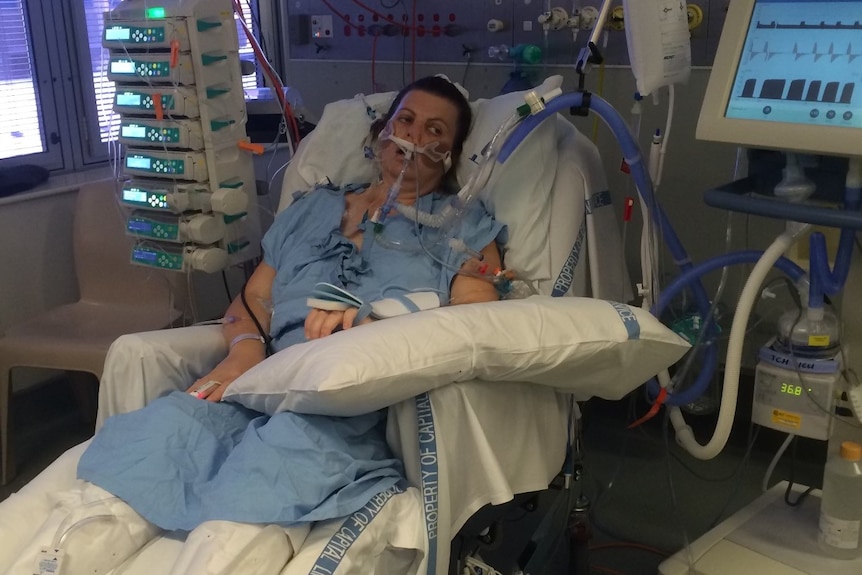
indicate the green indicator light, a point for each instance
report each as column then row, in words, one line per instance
column 204, row 26
column 208, row 59
column 230, row 219
column 235, row 247
column 217, row 125
column 156, row 12
column 215, row 92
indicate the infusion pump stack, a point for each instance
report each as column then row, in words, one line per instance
column 188, row 173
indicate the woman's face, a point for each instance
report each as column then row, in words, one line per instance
column 422, row 119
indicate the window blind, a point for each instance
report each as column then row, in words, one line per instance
column 20, row 126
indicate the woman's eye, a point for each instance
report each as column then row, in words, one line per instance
column 436, row 131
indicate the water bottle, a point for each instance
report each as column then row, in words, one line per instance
column 841, row 503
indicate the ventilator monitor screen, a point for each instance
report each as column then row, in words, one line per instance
column 788, row 75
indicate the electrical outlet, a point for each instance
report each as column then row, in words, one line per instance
column 321, row 26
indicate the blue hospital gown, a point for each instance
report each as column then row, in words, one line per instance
column 181, row 461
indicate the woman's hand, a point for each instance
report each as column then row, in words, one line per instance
column 321, row 323
column 244, row 355
column 466, row 288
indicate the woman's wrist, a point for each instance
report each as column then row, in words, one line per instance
column 246, row 354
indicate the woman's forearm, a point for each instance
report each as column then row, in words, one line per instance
column 243, row 321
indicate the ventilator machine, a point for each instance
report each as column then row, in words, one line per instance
column 784, row 85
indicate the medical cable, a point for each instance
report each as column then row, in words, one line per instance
column 226, row 287
column 270, row 209
column 672, row 491
column 274, row 78
column 600, row 86
column 192, row 297
column 706, row 334
column 733, row 474
column 546, row 42
column 671, row 93
column 753, row 431
column 267, row 340
column 467, row 53
column 798, row 501
column 69, row 524
column 765, row 484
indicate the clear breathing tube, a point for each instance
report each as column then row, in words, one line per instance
column 454, row 211
column 501, row 280
column 410, row 150
column 391, row 195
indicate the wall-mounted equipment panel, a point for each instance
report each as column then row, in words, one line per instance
column 478, row 31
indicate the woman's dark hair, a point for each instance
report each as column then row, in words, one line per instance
column 442, row 88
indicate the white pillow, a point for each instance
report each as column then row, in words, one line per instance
column 519, row 190
column 334, row 149
column 584, row 346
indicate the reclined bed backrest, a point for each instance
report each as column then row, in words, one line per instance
column 551, row 192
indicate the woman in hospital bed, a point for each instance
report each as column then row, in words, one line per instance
column 188, row 458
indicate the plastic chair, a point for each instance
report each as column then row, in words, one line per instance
column 115, row 298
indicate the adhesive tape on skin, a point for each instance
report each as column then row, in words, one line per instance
column 406, row 146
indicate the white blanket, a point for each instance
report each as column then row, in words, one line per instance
column 480, row 458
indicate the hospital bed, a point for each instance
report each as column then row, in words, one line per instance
column 492, row 423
